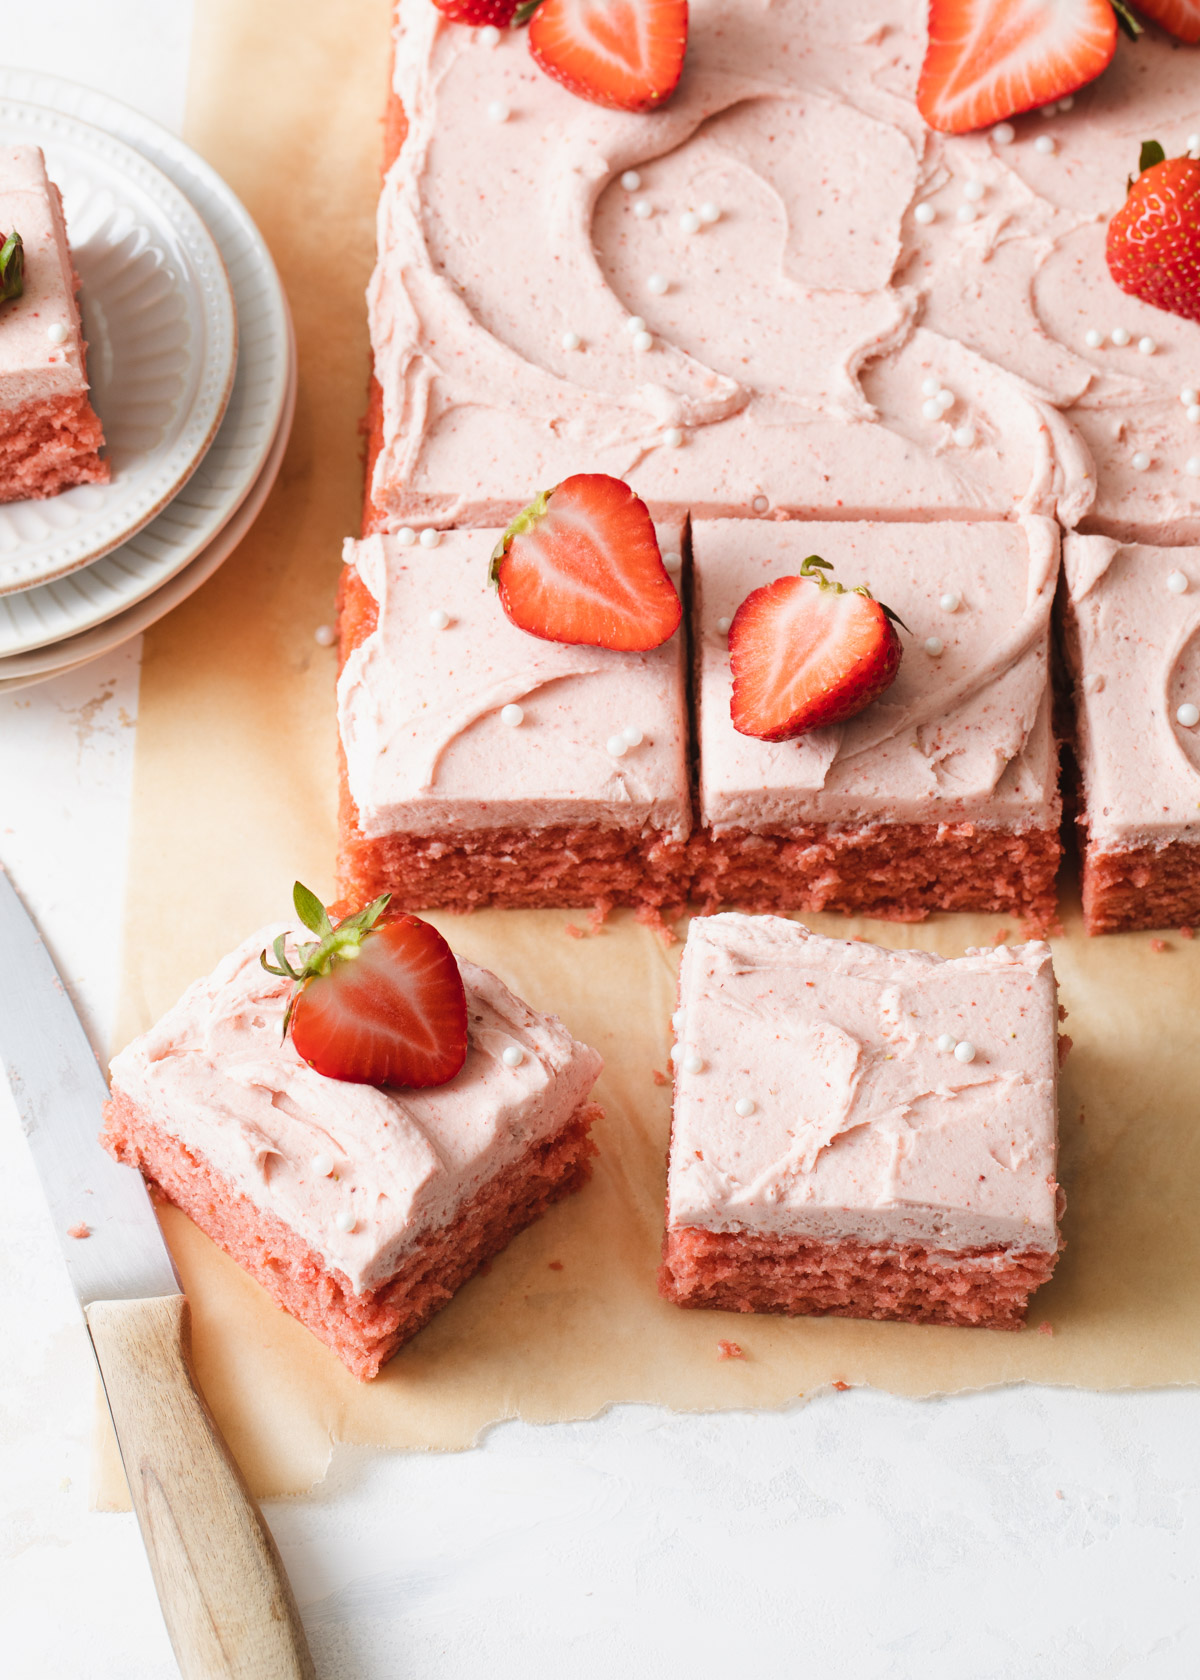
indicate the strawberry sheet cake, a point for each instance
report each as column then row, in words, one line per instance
column 858, row 1132
column 360, row 1209
column 50, row 437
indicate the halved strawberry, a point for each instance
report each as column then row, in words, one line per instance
column 1180, row 18
column 806, row 652
column 376, row 1002
column 623, row 53
column 581, row 565
column 479, row 12
column 990, row 59
column 1153, row 245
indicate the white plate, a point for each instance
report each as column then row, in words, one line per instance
column 22, row 670
column 161, row 330
column 35, row 618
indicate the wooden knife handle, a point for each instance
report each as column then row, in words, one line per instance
column 225, row 1598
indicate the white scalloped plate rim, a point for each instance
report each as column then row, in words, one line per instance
column 50, row 613
column 125, row 193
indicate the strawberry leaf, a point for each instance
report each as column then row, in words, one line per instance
column 12, row 267
column 1151, row 153
column 1127, row 22
column 311, row 911
column 524, row 12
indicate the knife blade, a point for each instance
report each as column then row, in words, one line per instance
column 225, row 1597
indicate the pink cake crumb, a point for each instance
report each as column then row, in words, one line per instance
column 730, row 1350
column 1157, row 945
column 79, row 1231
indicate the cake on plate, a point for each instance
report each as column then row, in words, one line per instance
column 50, row 436
column 860, row 1132
column 360, row 1209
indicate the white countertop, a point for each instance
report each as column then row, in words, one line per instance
column 1018, row 1533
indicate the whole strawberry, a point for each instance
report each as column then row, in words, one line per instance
column 498, row 13
column 1153, row 247
column 806, row 652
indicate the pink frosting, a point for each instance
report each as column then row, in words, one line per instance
column 217, row 1073
column 861, row 1127
column 32, row 365
column 962, row 736
column 797, row 334
column 1134, row 646
column 420, row 708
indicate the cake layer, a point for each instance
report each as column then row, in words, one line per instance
column 217, row 1074
column 824, row 1091
column 48, row 444
column 798, row 337
column 433, row 673
column 962, row 735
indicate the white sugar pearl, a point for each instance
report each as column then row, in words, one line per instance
column 760, row 504
column 946, row 1043
column 571, row 341
column 345, row 1220
column 439, row 618
column 324, row 635
column 1120, row 337
column 931, row 408
column 1193, row 413
column 723, row 626
column 57, row 333
column 677, row 1019
column 498, row 111
column 1188, row 715
column 658, row 284
column 964, row 436
column 1044, row 144
column 673, row 561
column 430, row 538
column 1177, row 583
column 945, row 399
column 974, row 191
column 692, row 1063
column 643, row 209
column 633, row 736
column 689, row 222
column 642, row 342
column 1189, row 396
column 672, row 437
column 934, row 647
column 930, row 387
column 616, row 746
column 1067, row 102
column 1192, row 466
column 406, row 536
column 635, row 324
column 950, row 601
column 631, row 180
column 1147, row 346
column 512, row 716
column 745, row 1106
column 966, row 213
column 1004, row 134
column 322, row 1165
column 710, row 212
column 1093, row 338
column 1139, row 460
column 490, row 35
column 964, row 1051
column 925, row 214
column 512, row 1055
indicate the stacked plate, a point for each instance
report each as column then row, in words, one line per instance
column 193, row 373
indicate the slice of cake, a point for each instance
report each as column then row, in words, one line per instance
column 1132, row 637
column 942, row 794
column 360, row 1210
column 50, row 436
column 860, row 1132
column 483, row 765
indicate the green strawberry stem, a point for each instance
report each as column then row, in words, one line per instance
column 334, row 943
column 1127, row 22
column 809, row 569
column 12, row 267
column 524, row 12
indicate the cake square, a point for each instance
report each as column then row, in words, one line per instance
column 360, row 1210
column 859, row 1132
column 478, row 759
column 49, row 434
column 1133, row 649
column 942, row 794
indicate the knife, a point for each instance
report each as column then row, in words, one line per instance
column 225, row 1597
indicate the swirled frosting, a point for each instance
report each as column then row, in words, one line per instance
column 217, row 1073
column 963, row 734
column 1133, row 643
column 33, row 365
column 854, row 1123
column 800, row 336
column 421, row 708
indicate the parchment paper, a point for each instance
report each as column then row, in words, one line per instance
column 234, row 798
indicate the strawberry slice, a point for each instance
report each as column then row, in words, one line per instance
column 498, row 13
column 1180, row 18
column 376, row 1003
column 624, row 53
column 990, row 59
column 581, row 565
column 806, row 652
column 1153, row 245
